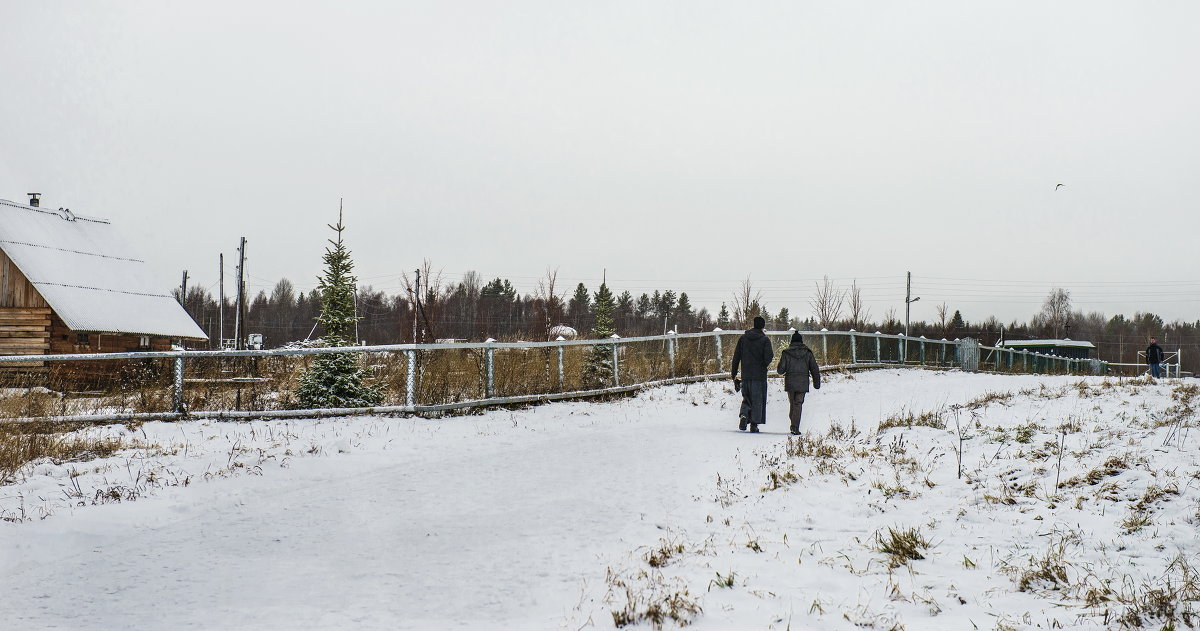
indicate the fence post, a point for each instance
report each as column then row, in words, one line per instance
column 717, row 337
column 922, row 350
column 671, row 350
column 853, row 348
column 878, row 351
column 178, row 391
column 410, row 394
column 490, row 367
column 616, row 366
column 562, row 376
column 943, row 344
column 824, row 346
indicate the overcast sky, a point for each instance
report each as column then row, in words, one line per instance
column 682, row 145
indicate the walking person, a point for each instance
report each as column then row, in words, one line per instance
column 1154, row 357
column 753, row 355
column 797, row 365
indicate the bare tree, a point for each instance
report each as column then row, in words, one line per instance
column 940, row 310
column 827, row 303
column 858, row 311
column 549, row 303
column 890, row 320
column 1055, row 315
column 747, row 303
column 427, row 304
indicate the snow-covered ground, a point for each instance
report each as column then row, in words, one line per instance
column 558, row 516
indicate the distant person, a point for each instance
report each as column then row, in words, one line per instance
column 753, row 354
column 1154, row 357
column 797, row 364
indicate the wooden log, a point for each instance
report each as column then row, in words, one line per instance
column 23, row 317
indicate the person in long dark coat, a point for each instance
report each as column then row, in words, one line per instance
column 1154, row 358
column 753, row 355
column 797, row 365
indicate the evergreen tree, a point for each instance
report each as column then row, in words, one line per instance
column 645, row 306
column 579, row 308
column 684, row 313
column 784, row 320
column 598, row 368
column 624, row 310
column 957, row 325
column 335, row 380
column 723, row 318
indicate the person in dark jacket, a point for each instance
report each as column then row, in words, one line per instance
column 753, row 355
column 1154, row 357
column 797, row 364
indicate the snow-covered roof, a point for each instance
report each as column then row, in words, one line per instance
column 90, row 277
column 1065, row 342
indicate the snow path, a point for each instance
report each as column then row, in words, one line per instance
column 474, row 520
column 502, row 520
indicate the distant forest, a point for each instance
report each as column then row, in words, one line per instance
column 473, row 309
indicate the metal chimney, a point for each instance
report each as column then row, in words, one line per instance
column 33, row 200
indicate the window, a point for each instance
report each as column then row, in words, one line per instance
column 144, row 341
column 83, row 339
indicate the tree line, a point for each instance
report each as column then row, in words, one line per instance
column 473, row 309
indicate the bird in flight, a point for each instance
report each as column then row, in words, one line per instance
column 1056, row 186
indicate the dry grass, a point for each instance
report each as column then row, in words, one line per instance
column 1111, row 467
column 901, row 546
column 23, row 444
column 906, row 418
column 648, row 598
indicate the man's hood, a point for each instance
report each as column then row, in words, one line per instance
column 755, row 334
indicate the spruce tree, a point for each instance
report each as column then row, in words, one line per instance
column 684, row 313
column 723, row 317
column 597, row 367
column 335, row 380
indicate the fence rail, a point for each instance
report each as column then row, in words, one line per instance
column 435, row 378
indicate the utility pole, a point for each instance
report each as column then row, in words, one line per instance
column 908, row 300
column 183, row 290
column 239, row 322
column 221, row 304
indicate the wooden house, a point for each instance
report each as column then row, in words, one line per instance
column 69, row 284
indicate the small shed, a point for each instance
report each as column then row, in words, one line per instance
column 70, row 284
column 1074, row 349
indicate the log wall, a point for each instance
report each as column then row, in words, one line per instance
column 15, row 289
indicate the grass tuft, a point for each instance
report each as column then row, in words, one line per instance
column 901, row 546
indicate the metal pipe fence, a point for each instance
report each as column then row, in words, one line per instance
column 435, row 378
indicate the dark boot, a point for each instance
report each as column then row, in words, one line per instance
column 754, row 428
column 742, row 421
column 795, row 430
